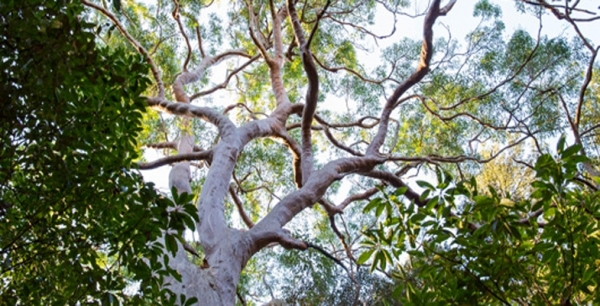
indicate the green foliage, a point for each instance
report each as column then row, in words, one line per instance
column 485, row 9
column 469, row 247
column 75, row 219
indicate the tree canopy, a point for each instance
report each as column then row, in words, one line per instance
column 316, row 153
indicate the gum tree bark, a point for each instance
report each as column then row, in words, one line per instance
column 227, row 250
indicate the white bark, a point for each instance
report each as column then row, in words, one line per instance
column 228, row 250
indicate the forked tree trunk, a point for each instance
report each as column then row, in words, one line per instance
column 228, row 250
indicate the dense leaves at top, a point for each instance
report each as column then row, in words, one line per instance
column 75, row 219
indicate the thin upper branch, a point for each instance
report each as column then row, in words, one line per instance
column 240, row 207
column 175, row 15
column 586, row 83
column 357, row 197
column 397, row 182
column 226, row 81
column 134, row 42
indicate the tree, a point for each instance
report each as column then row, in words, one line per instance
column 75, row 218
column 306, row 121
column 469, row 247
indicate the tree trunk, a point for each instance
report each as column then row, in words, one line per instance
column 216, row 281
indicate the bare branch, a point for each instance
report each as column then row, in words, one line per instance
column 169, row 145
column 224, row 84
column 312, row 93
column 199, row 37
column 340, row 145
column 175, row 15
column 586, row 83
column 357, row 197
column 225, row 126
column 203, row 155
column 354, row 72
column 414, row 78
column 566, row 15
column 189, row 77
column 257, row 36
column 240, row 207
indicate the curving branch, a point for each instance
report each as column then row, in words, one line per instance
column 240, row 208
column 435, row 159
column 338, row 144
column 422, row 69
column 193, row 76
column 199, row 37
column 294, row 148
column 312, row 93
column 311, row 192
column 357, row 197
column 555, row 10
column 358, row 123
column 243, row 106
column 224, row 84
column 175, row 15
column 396, row 182
column 516, row 73
column 257, row 36
column 225, row 126
column 363, row 30
column 586, row 82
column 337, row 261
column 134, row 42
column 354, row 72
column 341, row 237
column 462, row 114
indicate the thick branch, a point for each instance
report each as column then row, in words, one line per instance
column 415, row 77
column 203, row 155
column 312, row 93
column 225, row 126
column 311, row 192
column 169, row 145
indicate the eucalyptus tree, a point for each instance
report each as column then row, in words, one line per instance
column 226, row 250
column 300, row 113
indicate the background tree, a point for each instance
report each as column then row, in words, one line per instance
column 302, row 119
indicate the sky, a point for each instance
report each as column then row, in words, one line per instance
column 459, row 22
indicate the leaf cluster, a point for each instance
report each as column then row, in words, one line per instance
column 75, row 219
column 469, row 247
